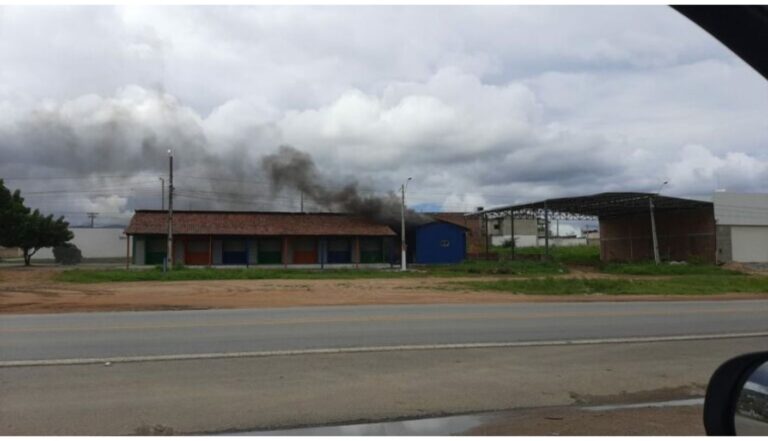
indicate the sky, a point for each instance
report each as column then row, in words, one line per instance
column 481, row 106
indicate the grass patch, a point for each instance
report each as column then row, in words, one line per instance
column 517, row 267
column 575, row 255
column 590, row 255
column 665, row 269
column 182, row 274
column 680, row 285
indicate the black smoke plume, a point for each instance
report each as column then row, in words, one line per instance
column 290, row 168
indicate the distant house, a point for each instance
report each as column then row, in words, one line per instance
column 526, row 231
column 261, row 238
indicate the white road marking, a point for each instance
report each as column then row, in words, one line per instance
column 671, row 403
column 519, row 344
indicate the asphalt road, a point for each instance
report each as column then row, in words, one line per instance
column 194, row 394
column 136, row 334
column 257, row 393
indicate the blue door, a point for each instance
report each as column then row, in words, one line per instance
column 234, row 252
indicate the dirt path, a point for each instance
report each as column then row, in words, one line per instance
column 33, row 290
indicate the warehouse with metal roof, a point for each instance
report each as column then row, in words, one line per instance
column 633, row 226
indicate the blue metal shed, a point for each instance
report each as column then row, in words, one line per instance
column 440, row 242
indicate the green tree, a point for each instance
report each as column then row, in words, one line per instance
column 28, row 231
column 13, row 214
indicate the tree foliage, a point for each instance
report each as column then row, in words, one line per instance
column 13, row 214
column 28, row 230
column 67, row 254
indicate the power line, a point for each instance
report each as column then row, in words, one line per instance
column 76, row 191
column 248, row 196
column 50, row 178
column 101, row 213
column 231, row 201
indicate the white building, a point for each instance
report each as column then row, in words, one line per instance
column 94, row 243
column 500, row 230
column 742, row 227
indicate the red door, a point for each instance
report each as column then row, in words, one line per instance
column 196, row 252
column 305, row 250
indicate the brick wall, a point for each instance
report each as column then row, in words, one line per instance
column 682, row 234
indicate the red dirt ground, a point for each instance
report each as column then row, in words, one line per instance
column 33, row 290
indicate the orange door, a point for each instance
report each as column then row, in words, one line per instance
column 196, row 252
column 305, row 250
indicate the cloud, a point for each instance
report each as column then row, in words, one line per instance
column 478, row 104
column 102, row 204
column 127, row 133
column 450, row 117
column 733, row 171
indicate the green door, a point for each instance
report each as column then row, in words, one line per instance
column 371, row 250
column 270, row 251
column 155, row 251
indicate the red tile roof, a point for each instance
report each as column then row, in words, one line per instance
column 255, row 224
column 457, row 219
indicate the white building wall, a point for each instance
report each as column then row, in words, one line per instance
column 520, row 240
column 741, row 208
column 749, row 244
column 532, row 241
column 94, row 243
column 743, row 218
column 503, row 226
column 563, row 241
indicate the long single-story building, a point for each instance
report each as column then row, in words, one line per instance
column 260, row 238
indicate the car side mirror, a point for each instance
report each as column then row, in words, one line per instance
column 737, row 397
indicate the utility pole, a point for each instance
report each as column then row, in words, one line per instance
column 512, row 231
column 302, row 202
column 656, row 257
column 546, row 230
column 487, row 236
column 169, row 255
column 92, row 215
column 403, row 265
column 162, row 192
column 654, row 237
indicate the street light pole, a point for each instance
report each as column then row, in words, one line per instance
column 403, row 266
column 162, row 192
column 655, row 238
column 169, row 255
